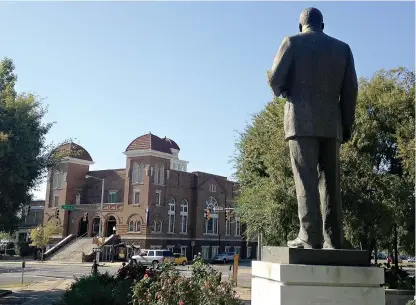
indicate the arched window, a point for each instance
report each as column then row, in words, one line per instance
column 131, row 226
column 138, row 225
column 156, row 174
column 171, row 215
column 211, row 224
column 184, row 216
column 157, row 226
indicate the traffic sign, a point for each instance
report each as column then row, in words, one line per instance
column 68, row 207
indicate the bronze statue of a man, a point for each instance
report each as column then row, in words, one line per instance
column 316, row 74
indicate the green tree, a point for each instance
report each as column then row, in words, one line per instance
column 266, row 197
column 42, row 235
column 377, row 168
column 24, row 156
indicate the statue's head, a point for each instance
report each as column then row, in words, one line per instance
column 311, row 18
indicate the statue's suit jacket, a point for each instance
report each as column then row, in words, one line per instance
column 317, row 75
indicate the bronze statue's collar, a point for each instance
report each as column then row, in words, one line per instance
column 306, row 29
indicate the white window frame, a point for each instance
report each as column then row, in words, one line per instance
column 134, row 198
column 171, row 214
column 159, row 197
column 205, row 254
column 137, row 226
column 170, row 248
column 228, row 226
column 155, row 247
column 184, row 216
column 248, row 254
column 155, row 225
column 227, row 249
column 210, row 204
column 115, row 198
column 130, row 226
column 237, row 226
column 183, row 250
column 162, row 175
column 212, row 188
column 156, row 174
column 214, row 251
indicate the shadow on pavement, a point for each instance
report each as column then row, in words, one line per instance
column 31, row 297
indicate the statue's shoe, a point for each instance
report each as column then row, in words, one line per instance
column 328, row 246
column 300, row 244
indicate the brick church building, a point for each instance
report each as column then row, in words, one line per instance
column 154, row 202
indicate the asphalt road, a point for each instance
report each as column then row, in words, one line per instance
column 11, row 272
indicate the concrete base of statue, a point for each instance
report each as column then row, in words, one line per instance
column 300, row 284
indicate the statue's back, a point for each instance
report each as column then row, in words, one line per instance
column 315, row 82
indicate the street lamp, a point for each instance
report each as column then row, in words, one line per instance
column 112, row 248
column 100, row 229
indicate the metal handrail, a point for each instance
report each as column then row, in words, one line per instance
column 70, row 243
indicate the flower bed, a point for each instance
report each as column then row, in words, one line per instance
column 166, row 286
column 163, row 286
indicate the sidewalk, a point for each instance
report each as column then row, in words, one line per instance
column 45, row 293
column 244, row 294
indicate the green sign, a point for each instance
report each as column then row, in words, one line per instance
column 68, row 207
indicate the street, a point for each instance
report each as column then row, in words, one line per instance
column 11, row 272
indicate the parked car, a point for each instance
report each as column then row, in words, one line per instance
column 224, row 257
column 180, row 259
column 411, row 259
column 153, row 257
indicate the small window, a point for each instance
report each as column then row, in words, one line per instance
column 137, row 226
column 78, row 198
column 159, row 253
column 151, row 253
column 212, row 188
column 158, row 193
column 112, row 197
column 136, row 197
column 56, row 201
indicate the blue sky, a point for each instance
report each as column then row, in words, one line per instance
column 191, row 71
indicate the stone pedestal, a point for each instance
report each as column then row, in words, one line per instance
column 300, row 284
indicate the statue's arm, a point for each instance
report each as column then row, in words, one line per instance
column 348, row 97
column 277, row 76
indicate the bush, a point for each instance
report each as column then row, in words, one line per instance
column 411, row 302
column 165, row 286
column 23, row 249
column 397, row 278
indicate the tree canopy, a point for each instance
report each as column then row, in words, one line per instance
column 377, row 168
column 24, row 155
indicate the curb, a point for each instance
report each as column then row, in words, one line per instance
column 5, row 293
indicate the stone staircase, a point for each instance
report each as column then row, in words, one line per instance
column 73, row 252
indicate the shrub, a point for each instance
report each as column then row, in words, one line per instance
column 23, row 249
column 397, row 278
column 411, row 302
column 165, row 286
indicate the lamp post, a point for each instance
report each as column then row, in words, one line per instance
column 113, row 250
column 100, row 229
